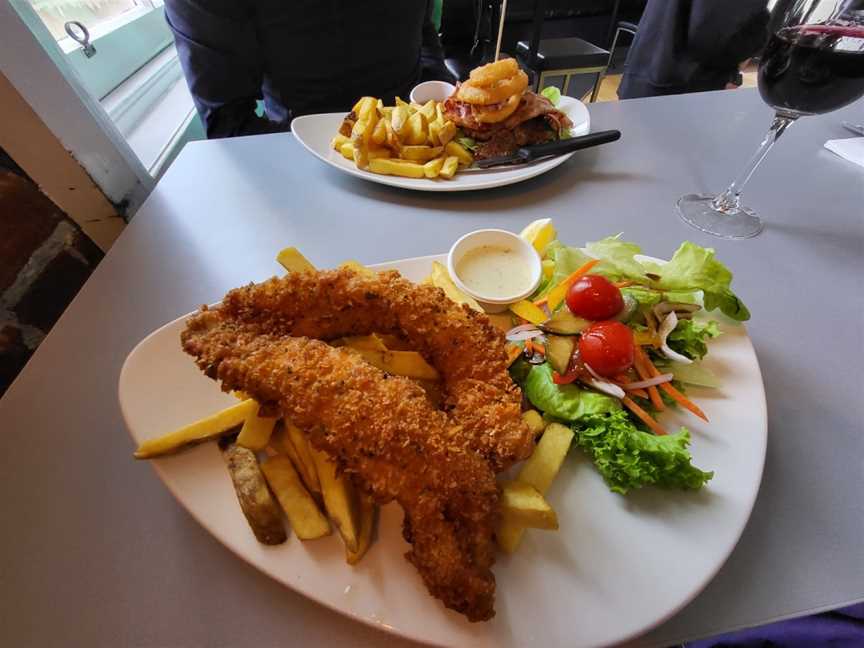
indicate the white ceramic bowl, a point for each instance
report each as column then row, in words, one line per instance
column 437, row 90
column 500, row 238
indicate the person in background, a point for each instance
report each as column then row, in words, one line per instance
column 299, row 57
column 692, row 46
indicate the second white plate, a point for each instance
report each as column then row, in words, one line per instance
column 314, row 132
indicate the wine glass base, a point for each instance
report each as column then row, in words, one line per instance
column 698, row 211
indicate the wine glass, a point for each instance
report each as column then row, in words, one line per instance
column 813, row 63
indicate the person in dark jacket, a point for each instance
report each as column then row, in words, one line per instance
column 692, row 45
column 299, row 56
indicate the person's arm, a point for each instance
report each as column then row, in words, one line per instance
column 721, row 35
column 218, row 51
column 431, row 51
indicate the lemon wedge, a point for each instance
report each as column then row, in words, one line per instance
column 539, row 233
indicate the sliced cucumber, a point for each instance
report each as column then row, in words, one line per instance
column 559, row 348
column 565, row 323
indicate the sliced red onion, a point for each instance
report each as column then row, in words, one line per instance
column 520, row 328
column 666, row 328
column 651, row 382
column 601, row 384
column 523, row 332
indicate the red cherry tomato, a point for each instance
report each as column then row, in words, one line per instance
column 607, row 347
column 594, row 297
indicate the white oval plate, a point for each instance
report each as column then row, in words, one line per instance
column 617, row 567
column 315, row 132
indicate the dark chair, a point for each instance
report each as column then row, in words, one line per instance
column 565, row 57
column 623, row 27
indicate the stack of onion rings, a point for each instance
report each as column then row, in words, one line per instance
column 494, row 90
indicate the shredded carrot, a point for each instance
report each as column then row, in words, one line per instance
column 529, row 346
column 623, row 284
column 641, row 362
column 641, row 393
column 676, row 395
column 644, row 416
column 682, row 400
column 539, row 348
column 566, row 283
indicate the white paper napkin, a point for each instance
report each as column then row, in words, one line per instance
column 851, row 149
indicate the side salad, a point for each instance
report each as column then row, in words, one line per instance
column 608, row 341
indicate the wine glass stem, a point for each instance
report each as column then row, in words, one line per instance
column 729, row 202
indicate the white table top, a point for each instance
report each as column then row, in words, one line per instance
column 95, row 551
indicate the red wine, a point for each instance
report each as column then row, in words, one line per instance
column 813, row 69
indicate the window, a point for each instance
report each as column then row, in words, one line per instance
column 126, row 34
column 134, row 74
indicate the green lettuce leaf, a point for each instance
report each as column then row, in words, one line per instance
column 467, row 143
column 694, row 268
column 618, row 258
column 552, row 93
column 564, row 402
column 690, row 337
column 629, row 458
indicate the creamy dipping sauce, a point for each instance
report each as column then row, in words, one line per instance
column 493, row 271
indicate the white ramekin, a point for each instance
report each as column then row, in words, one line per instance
column 437, row 90
column 501, row 238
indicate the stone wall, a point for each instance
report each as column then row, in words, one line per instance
column 44, row 261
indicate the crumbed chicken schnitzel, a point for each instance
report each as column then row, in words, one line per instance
column 438, row 464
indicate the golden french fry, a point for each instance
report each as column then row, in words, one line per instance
column 393, row 342
column 366, row 342
column 464, row 156
column 420, row 153
column 538, row 471
column 379, row 152
column 448, row 169
column 441, row 279
column 399, row 119
column 439, row 112
column 357, row 267
column 401, row 102
column 338, row 140
column 415, row 129
column 303, row 513
column 363, row 105
column 257, row 504
column 428, row 110
column 522, row 504
column 447, row 132
column 400, row 363
column 386, row 112
column 533, row 419
column 541, row 467
column 503, row 321
column 347, row 151
column 401, row 168
column 304, row 452
column 293, row 261
column 392, row 140
column 379, row 135
column 434, row 131
column 256, row 431
column 368, row 510
column 365, row 108
column 339, row 499
column 281, row 442
column 433, row 167
column 206, row 429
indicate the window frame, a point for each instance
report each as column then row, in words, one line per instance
column 123, row 46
